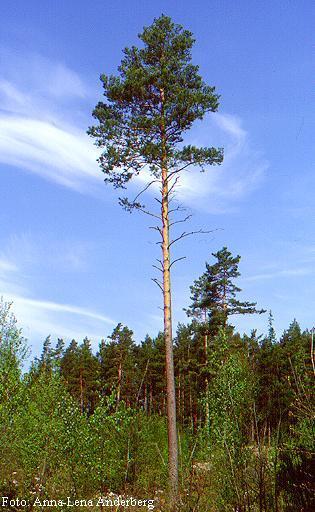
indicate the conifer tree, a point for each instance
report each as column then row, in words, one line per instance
column 159, row 375
column 189, row 368
column 123, row 363
column 145, row 359
column 58, row 352
column 155, row 98
column 213, row 295
column 45, row 362
column 69, row 369
column 80, row 370
column 213, row 299
column 88, row 376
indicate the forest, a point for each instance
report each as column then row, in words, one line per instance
column 201, row 419
column 80, row 424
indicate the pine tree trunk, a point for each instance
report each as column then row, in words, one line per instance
column 151, row 409
column 81, row 393
column 191, row 407
column 119, row 382
column 170, row 380
column 205, row 346
column 183, row 403
column 146, row 399
column 179, row 398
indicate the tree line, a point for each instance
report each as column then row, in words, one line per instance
column 83, row 422
column 137, row 372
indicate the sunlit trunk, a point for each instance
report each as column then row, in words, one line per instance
column 170, row 380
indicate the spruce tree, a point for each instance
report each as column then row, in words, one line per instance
column 155, row 98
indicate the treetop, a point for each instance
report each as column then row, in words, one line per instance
column 155, row 97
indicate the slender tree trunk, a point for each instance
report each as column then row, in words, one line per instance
column 205, row 346
column 119, row 382
column 170, row 380
column 151, row 400
column 179, row 397
column 183, row 401
column 191, row 406
column 146, row 399
column 81, row 393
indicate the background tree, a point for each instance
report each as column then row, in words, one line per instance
column 122, row 361
column 156, row 97
column 213, row 295
column 80, row 369
column 46, row 358
column 13, row 352
column 213, row 299
column 255, row 452
column 145, row 357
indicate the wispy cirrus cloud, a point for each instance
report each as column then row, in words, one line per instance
column 37, row 315
column 41, row 132
column 41, row 317
column 219, row 188
column 56, row 153
column 60, row 308
column 40, row 129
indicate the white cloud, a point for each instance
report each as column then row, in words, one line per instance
column 33, row 72
column 39, row 252
column 63, row 308
column 241, row 172
column 53, row 152
column 40, row 132
column 38, row 318
column 35, row 134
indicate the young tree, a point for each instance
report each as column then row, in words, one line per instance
column 13, row 352
column 156, row 97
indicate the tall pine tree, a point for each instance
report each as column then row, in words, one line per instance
column 155, row 98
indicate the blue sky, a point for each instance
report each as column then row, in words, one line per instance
column 71, row 260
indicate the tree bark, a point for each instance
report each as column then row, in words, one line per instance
column 205, row 347
column 168, row 335
column 81, row 393
column 119, row 383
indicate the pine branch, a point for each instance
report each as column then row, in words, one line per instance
column 184, row 235
column 177, row 259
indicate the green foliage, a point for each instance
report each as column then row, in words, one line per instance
column 148, row 443
column 155, row 98
column 246, row 438
column 36, row 439
column 213, row 295
column 231, row 396
column 80, row 370
column 110, row 430
column 13, row 351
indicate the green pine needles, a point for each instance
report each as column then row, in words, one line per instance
column 155, row 98
column 153, row 101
